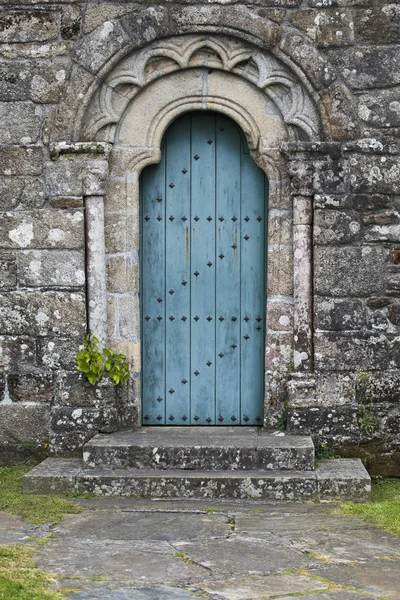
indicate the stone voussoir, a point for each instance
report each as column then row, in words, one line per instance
column 339, row 479
column 222, row 449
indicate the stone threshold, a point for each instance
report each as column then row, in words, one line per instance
column 332, row 480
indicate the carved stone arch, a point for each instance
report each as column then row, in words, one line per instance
column 283, row 92
column 102, row 49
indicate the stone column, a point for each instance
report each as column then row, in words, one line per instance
column 88, row 162
column 93, row 192
column 302, row 273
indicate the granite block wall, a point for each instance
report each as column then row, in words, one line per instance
column 349, row 53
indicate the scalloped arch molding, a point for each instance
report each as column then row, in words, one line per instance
column 284, row 95
column 303, row 74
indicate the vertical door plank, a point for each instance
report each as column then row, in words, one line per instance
column 177, row 272
column 227, row 273
column 253, row 298
column 153, row 288
column 203, row 270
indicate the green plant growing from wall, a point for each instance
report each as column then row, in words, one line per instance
column 93, row 363
column 367, row 422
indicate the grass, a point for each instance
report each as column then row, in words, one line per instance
column 37, row 509
column 20, row 579
column 384, row 509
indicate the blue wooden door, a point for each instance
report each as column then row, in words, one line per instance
column 203, row 290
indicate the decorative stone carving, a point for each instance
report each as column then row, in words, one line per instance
column 281, row 87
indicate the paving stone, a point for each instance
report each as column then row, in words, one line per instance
column 260, row 588
column 146, row 526
column 380, row 577
column 153, row 593
column 238, row 556
column 12, row 529
column 333, row 595
column 345, row 547
column 88, row 557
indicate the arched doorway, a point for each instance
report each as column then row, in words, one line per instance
column 203, row 277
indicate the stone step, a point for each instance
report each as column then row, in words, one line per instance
column 339, row 479
column 200, row 448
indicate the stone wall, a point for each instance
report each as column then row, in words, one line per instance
column 348, row 53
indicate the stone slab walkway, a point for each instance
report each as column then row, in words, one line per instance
column 127, row 549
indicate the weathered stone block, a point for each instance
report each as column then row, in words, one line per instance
column 375, row 174
column 122, row 274
column 71, row 22
column 326, row 3
column 280, row 315
column 278, row 352
column 35, row 50
column 17, row 352
column 280, row 270
column 344, row 479
column 54, row 481
column 330, row 27
column 43, row 313
column 31, row 387
column 382, row 233
column 336, row 227
column 378, row 25
column 350, row 271
column 301, row 177
column 324, row 420
column 51, row 268
column 28, row 26
column 304, row 53
column 128, row 307
column 65, row 418
column 64, row 178
column 21, row 161
column 339, row 113
column 378, row 387
column 114, row 224
column 42, row 229
column 19, row 193
column 380, row 108
column 349, row 351
column 280, row 226
column 8, row 271
column 20, row 123
column 369, row 67
column 72, row 389
column 394, row 312
column 339, row 314
column 41, row 81
column 24, row 423
column 97, row 14
column 330, row 176
column 57, row 352
column 101, row 45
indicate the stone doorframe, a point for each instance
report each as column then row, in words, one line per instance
column 125, row 121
